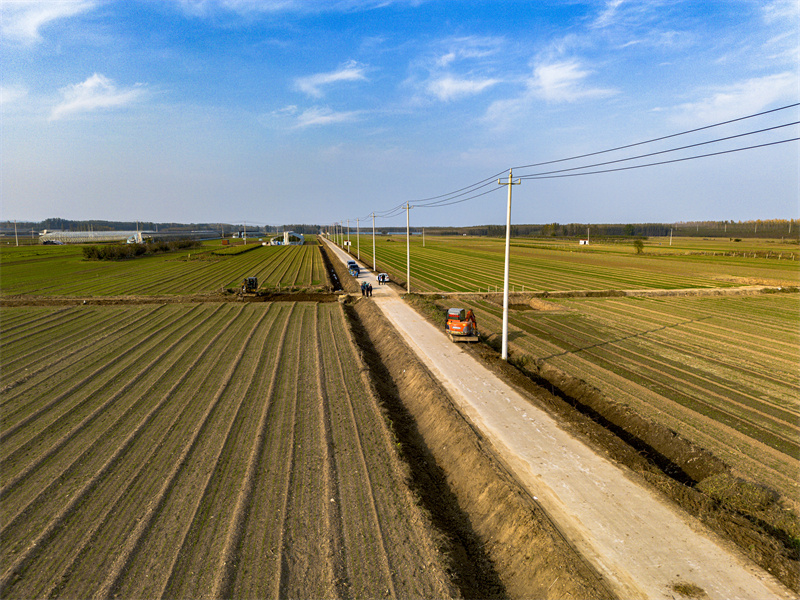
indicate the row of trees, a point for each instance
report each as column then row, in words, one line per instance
column 125, row 251
column 771, row 228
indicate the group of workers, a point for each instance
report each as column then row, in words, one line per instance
column 366, row 289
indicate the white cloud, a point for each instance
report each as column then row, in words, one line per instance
column 564, row 82
column 449, row 88
column 553, row 82
column 323, row 116
column 311, row 85
column 781, row 11
column 746, row 97
column 97, row 92
column 10, row 94
column 606, row 17
column 22, row 19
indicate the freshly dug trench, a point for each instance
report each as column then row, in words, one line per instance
column 502, row 543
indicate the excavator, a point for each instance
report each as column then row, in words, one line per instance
column 461, row 325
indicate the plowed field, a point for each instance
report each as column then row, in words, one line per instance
column 721, row 371
column 200, row 451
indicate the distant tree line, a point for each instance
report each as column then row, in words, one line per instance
column 766, row 228
column 772, row 228
column 125, row 251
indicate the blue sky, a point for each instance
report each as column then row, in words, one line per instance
column 282, row 111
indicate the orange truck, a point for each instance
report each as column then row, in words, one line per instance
column 461, row 325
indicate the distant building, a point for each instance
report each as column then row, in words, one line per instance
column 288, row 238
column 584, row 242
column 92, row 237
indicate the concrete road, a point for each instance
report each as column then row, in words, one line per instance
column 642, row 545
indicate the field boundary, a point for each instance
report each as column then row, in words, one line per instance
column 734, row 291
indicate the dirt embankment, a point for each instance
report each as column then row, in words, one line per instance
column 501, row 543
column 751, row 516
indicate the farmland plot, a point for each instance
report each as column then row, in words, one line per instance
column 722, row 371
column 51, row 270
column 200, row 451
column 452, row 264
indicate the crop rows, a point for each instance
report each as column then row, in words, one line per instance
column 476, row 265
column 199, row 451
column 722, row 369
column 68, row 274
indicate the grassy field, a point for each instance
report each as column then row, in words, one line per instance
column 63, row 271
column 460, row 264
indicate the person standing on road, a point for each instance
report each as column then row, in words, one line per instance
column 363, row 288
column 369, row 290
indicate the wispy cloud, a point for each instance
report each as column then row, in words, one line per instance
column 10, row 94
column 97, row 92
column 608, row 14
column 564, row 82
column 745, row 97
column 22, row 20
column 554, row 82
column 313, row 84
column 457, row 67
column 205, row 7
column 324, row 116
column 449, row 88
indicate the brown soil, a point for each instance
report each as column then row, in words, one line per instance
column 501, row 543
column 701, row 484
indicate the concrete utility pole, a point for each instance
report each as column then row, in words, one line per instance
column 374, row 258
column 509, row 183
column 348, row 236
column 358, row 240
column 16, row 238
column 408, row 251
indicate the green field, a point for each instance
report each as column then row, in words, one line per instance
column 463, row 264
column 63, row 271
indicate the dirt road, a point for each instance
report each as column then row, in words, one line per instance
column 644, row 547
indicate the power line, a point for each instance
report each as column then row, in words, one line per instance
column 658, row 139
column 455, row 196
column 611, row 162
column 665, row 162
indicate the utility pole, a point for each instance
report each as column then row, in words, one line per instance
column 17, row 238
column 374, row 258
column 408, row 251
column 358, row 241
column 670, row 236
column 348, row 236
column 509, row 183
column 423, row 237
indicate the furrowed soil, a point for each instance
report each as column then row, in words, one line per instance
column 203, row 450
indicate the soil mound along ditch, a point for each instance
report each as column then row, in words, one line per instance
column 501, row 543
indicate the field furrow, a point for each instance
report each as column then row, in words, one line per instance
column 93, row 495
column 62, row 406
column 173, row 532
column 59, row 451
column 261, row 548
